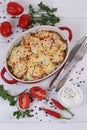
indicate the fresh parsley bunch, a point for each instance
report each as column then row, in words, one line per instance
column 43, row 16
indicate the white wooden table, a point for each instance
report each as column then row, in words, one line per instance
column 73, row 15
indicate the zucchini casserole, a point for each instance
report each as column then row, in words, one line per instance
column 38, row 55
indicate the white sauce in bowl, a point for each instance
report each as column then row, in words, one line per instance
column 70, row 96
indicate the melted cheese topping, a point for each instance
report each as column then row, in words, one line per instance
column 37, row 56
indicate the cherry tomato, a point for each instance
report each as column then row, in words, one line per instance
column 38, row 92
column 14, row 8
column 5, row 28
column 24, row 21
column 24, row 100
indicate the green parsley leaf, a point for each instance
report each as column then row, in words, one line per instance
column 21, row 114
column 44, row 15
column 46, row 8
column 6, row 96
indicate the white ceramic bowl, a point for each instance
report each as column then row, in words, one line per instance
column 70, row 96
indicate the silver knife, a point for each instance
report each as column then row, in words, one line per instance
column 64, row 73
column 78, row 56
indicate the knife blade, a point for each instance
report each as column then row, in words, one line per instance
column 58, row 78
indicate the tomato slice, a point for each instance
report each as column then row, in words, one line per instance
column 38, row 92
column 24, row 100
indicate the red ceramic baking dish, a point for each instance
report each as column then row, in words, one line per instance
column 16, row 42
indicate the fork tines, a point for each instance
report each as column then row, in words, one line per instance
column 82, row 51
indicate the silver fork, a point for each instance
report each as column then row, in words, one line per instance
column 78, row 56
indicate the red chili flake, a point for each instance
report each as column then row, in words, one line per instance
column 41, row 38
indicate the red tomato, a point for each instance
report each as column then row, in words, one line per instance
column 24, row 100
column 24, row 21
column 5, row 29
column 14, row 8
column 38, row 92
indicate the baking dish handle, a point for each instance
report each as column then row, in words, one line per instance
column 67, row 29
column 3, row 71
